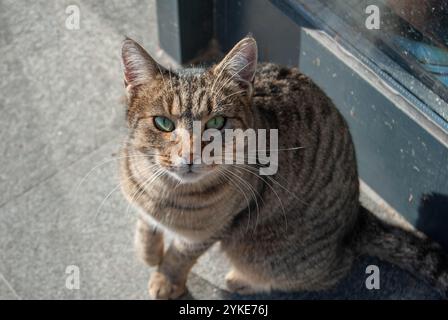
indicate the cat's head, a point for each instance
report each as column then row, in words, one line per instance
column 164, row 106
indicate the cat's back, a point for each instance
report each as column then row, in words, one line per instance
column 291, row 102
column 285, row 89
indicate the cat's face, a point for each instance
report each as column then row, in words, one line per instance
column 168, row 112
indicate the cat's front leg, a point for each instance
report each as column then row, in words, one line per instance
column 148, row 243
column 169, row 281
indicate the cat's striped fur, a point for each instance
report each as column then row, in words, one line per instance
column 297, row 230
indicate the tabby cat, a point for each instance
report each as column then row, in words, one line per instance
column 299, row 229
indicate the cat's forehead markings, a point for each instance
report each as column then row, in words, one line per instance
column 190, row 94
column 174, row 105
column 180, row 102
column 199, row 100
column 187, row 119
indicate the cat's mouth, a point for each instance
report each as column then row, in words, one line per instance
column 190, row 173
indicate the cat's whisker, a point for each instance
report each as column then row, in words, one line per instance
column 140, row 193
column 272, row 150
column 252, row 158
column 231, row 78
column 98, row 210
column 284, row 188
column 136, row 196
column 223, row 105
column 254, row 192
column 258, row 166
column 284, row 149
column 273, row 180
column 243, row 192
column 273, row 190
column 230, row 180
column 102, row 164
column 109, row 194
column 232, row 94
column 218, row 77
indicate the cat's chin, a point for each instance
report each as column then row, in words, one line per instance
column 188, row 177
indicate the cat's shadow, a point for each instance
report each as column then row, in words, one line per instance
column 396, row 283
column 433, row 217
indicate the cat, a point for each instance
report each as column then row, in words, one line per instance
column 299, row 229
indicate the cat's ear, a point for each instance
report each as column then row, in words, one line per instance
column 139, row 67
column 241, row 61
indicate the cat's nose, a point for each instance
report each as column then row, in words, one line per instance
column 190, row 160
column 193, row 159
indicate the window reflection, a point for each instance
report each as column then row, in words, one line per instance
column 414, row 33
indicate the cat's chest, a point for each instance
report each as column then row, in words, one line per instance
column 195, row 216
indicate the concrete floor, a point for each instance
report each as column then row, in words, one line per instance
column 61, row 121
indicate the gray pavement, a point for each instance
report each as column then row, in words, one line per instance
column 61, row 119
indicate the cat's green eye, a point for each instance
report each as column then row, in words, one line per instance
column 164, row 124
column 216, row 123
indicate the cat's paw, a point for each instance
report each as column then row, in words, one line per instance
column 236, row 284
column 160, row 287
